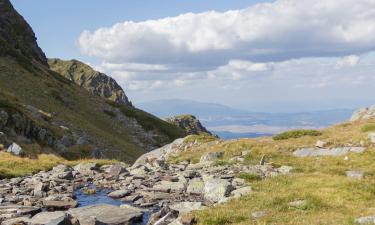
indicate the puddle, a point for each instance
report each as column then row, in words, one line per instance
column 100, row 197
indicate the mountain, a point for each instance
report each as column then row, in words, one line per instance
column 174, row 107
column 93, row 81
column 189, row 123
column 17, row 35
column 44, row 112
column 228, row 122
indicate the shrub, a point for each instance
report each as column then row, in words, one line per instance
column 368, row 127
column 249, row 177
column 296, row 134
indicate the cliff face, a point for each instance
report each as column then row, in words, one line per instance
column 16, row 32
column 189, row 123
column 95, row 82
column 364, row 113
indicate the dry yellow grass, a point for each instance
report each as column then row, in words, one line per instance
column 14, row 166
column 331, row 197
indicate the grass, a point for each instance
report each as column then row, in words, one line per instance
column 368, row 127
column 296, row 134
column 14, row 166
column 330, row 197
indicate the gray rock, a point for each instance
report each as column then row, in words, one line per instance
column 186, row 207
column 85, row 167
column 241, row 192
column 168, row 186
column 285, row 169
column 216, row 190
column 50, row 218
column 371, row 136
column 311, row 152
column 195, row 187
column 321, row 144
column 258, row 214
column 119, row 194
column 105, row 214
column 15, row 149
column 365, row 220
column 364, row 114
column 60, row 205
column 211, row 156
column 298, row 203
column 116, row 170
column 355, row 174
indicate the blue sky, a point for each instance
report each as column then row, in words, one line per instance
column 281, row 55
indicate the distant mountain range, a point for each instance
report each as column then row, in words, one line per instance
column 228, row 122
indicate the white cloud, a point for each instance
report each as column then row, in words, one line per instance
column 348, row 61
column 280, row 30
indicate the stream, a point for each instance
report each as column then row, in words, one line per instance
column 100, row 197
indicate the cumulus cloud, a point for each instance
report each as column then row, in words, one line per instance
column 348, row 61
column 275, row 31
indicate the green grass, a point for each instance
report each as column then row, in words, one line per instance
column 368, row 127
column 14, row 166
column 296, row 134
column 249, row 177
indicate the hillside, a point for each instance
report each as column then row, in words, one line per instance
column 44, row 112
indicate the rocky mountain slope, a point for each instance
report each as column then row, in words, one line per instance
column 42, row 111
column 95, row 82
column 189, row 123
column 364, row 113
column 16, row 33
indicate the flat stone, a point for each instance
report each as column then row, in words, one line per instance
column 50, row 218
column 241, row 192
column 105, row 214
column 186, row 207
column 19, row 209
column 298, row 203
column 366, row 220
column 321, row 144
column 311, row 152
column 119, row 194
column 59, row 205
column 258, row 214
column 355, row 174
column 85, row 167
column 168, row 186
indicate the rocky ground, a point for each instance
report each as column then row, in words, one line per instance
column 169, row 191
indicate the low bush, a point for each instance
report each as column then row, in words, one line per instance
column 296, row 134
column 368, row 127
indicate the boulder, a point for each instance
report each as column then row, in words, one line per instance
column 195, row 187
column 241, row 192
column 321, row 144
column 186, row 207
column 168, row 186
column 216, row 190
column 85, row 167
column 15, row 149
column 211, row 156
column 104, row 214
column 50, row 218
column 119, row 194
column 116, row 170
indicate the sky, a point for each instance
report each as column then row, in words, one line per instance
column 283, row 55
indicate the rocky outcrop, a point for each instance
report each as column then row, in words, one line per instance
column 364, row 114
column 189, row 123
column 95, row 82
column 16, row 33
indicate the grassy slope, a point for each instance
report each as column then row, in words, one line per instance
column 331, row 197
column 13, row 166
column 46, row 90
